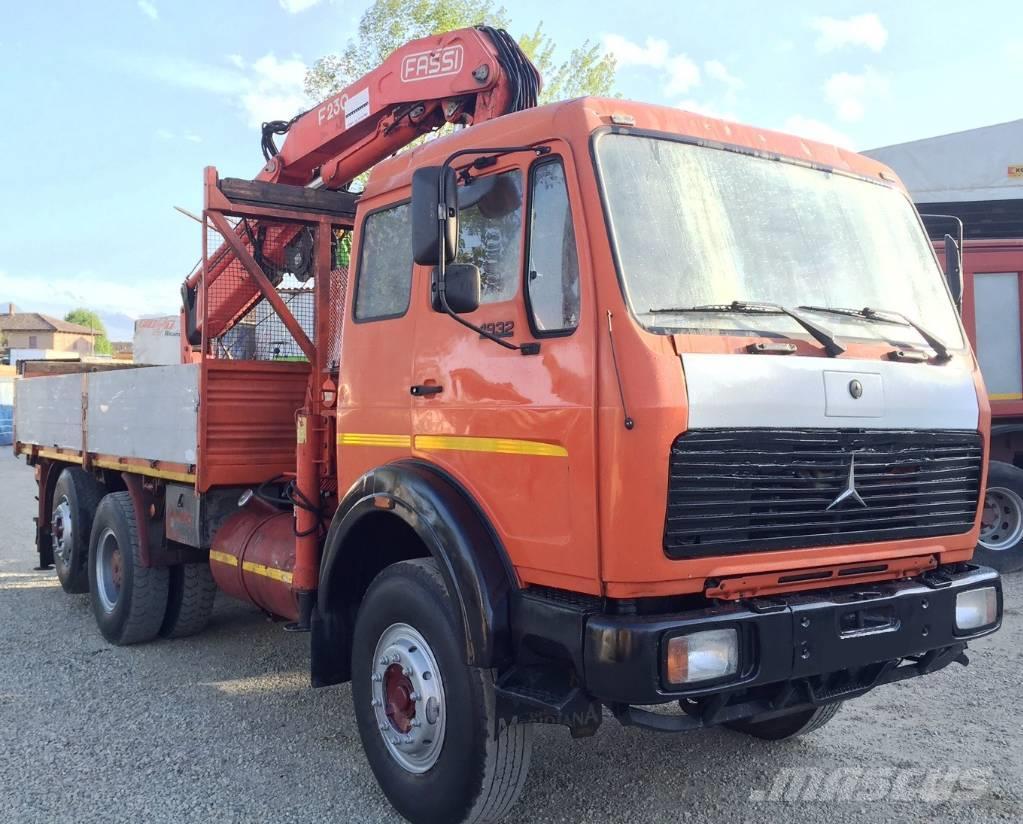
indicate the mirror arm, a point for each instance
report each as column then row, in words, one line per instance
column 526, row 349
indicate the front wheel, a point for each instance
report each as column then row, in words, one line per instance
column 1001, row 526
column 790, row 725
column 427, row 720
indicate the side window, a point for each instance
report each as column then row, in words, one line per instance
column 385, row 265
column 490, row 233
column 553, row 275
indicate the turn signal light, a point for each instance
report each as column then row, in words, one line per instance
column 703, row 656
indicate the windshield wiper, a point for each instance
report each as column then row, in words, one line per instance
column 818, row 333
column 889, row 316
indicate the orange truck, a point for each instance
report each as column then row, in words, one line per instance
column 578, row 409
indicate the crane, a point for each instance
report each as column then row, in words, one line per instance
column 462, row 77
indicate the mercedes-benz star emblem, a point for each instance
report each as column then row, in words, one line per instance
column 855, row 388
column 849, row 493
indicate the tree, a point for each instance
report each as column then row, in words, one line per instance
column 387, row 24
column 91, row 319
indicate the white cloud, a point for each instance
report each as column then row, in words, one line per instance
column 849, row 93
column 167, row 134
column 682, row 75
column 296, row 6
column 1014, row 52
column 679, row 72
column 716, row 70
column 145, row 296
column 269, row 88
column 653, row 53
column 148, row 9
column 861, row 30
column 705, row 107
column 816, row 130
column 277, row 89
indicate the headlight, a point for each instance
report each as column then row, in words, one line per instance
column 703, row 656
column 976, row 608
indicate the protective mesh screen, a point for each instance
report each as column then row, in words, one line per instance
column 240, row 323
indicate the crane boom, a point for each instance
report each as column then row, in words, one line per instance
column 463, row 77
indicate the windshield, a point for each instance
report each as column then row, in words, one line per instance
column 697, row 225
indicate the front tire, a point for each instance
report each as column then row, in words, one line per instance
column 427, row 721
column 129, row 600
column 791, row 725
column 75, row 499
column 1001, row 528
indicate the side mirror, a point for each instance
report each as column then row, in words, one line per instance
column 432, row 219
column 461, row 287
column 954, row 269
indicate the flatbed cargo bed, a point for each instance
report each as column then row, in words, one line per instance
column 150, row 420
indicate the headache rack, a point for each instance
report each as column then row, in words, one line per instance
column 749, row 490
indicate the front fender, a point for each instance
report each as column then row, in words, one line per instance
column 455, row 532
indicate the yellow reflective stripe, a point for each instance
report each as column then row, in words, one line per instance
column 148, row 471
column 55, row 455
column 223, row 557
column 267, row 572
column 501, row 446
column 1005, row 396
column 369, row 439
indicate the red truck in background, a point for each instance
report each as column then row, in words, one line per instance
column 992, row 308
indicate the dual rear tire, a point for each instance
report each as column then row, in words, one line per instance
column 96, row 549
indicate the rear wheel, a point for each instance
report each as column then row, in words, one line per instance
column 427, row 720
column 1001, row 528
column 191, row 592
column 790, row 725
column 75, row 498
column 129, row 600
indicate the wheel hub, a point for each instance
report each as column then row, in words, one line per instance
column 408, row 698
column 1001, row 525
column 398, row 703
column 109, row 563
column 61, row 531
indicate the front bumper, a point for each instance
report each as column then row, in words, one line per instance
column 798, row 649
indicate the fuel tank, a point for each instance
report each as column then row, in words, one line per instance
column 253, row 556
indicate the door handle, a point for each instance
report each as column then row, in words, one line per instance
column 423, row 389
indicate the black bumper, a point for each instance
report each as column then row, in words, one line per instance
column 830, row 644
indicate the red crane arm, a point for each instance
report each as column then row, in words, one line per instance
column 465, row 76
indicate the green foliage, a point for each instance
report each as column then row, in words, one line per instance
column 388, row 24
column 91, row 319
column 586, row 72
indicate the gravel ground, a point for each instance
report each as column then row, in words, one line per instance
column 224, row 727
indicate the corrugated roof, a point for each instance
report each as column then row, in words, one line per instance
column 38, row 322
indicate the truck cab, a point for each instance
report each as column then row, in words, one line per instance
column 708, row 415
column 672, row 426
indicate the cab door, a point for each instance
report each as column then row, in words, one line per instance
column 373, row 425
column 517, row 430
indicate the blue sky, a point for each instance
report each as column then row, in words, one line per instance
column 115, row 106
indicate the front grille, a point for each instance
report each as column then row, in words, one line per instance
column 746, row 490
